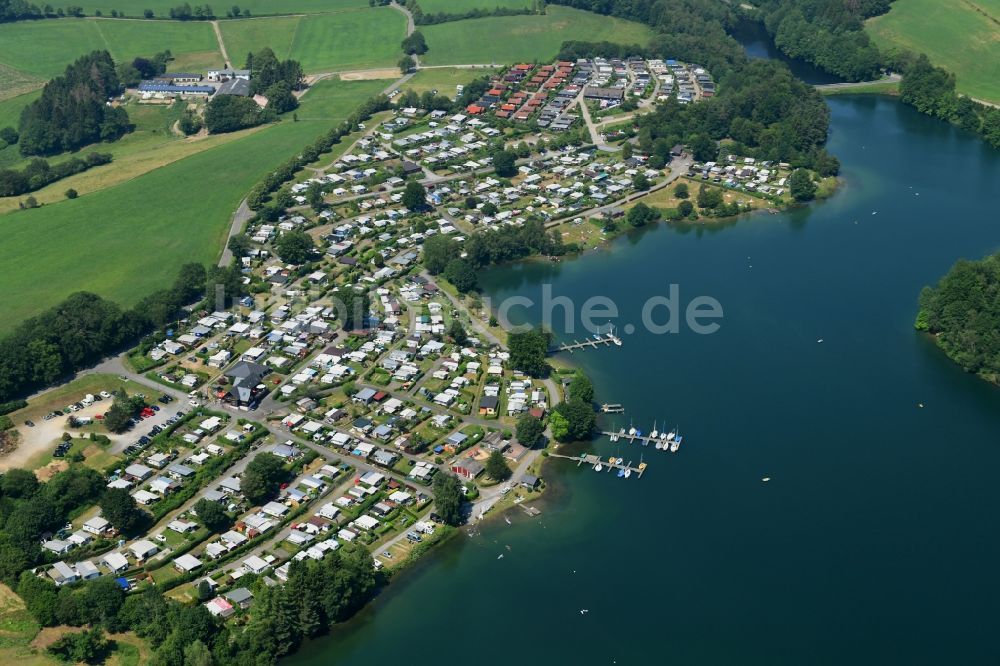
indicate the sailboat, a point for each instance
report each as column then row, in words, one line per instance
column 621, row 473
column 631, row 429
column 628, row 472
column 676, row 444
column 598, row 467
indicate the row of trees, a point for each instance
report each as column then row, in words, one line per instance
column 72, row 110
column 828, row 33
column 420, row 18
column 931, row 90
column 85, row 327
column 963, row 313
column 38, row 173
column 186, row 12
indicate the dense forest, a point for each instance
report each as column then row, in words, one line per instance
column 73, row 111
column 768, row 112
column 963, row 313
column 828, row 33
column 16, row 10
column 83, row 329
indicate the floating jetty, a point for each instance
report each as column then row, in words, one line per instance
column 645, row 440
column 609, row 408
column 593, row 342
column 607, row 464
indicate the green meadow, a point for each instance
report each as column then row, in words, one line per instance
column 528, row 37
column 125, row 241
column 341, row 41
column 963, row 37
column 43, row 48
column 459, row 6
column 443, row 79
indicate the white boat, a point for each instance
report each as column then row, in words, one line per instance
column 631, row 432
column 676, row 445
column 618, row 461
column 659, row 444
column 598, row 467
column 507, row 519
column 671, row 435
column 655, row 433
column 628, row 473
column 766, row 479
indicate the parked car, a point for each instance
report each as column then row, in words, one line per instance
column 29, row 423
column 105, row 394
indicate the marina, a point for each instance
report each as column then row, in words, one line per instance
column 593, row 342
column 666, row 441
column 625, row 470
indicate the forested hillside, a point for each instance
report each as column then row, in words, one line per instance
column 963, row 313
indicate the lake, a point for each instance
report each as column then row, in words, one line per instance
column 871, row 544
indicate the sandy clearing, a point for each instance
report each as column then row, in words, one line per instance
column 370, row 74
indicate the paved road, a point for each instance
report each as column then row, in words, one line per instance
column 240, row 219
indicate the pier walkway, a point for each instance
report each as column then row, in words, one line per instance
column 607, row 464
column 589, row 343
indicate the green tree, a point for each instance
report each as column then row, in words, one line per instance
column 212, row 515
column 295, row 247
column 640, row 182
column 801, row 185
column 496, row 467
column 505, row 163
column 262, row 477
column 681, row 191
column 448, row 498
column 457, row 332
column 415, row 44
column 460, row 273
column 72, row 194
column 18, row 483
column 559, row 425
column 438, row 251
column 528, row 350
column 579, row 417
column 581, row 388
column 40, row 596
column 640, row 215
column 239, row 245
column 197, row 654
column 626, row 150
column 89, row 646
column 120, row 509
column 406, row 64
column 530, row 430
column 414, row 196
column 685, row 208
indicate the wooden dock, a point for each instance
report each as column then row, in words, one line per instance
column 609, row 408
column 642, row 439
column 591, row 460
column 589, row 343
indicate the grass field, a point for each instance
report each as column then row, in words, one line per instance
column 524, row 37
column 161, row 8
column 125, row 241
column 443, row 80
column 14, row 82
column 341, row 41
column 962, row 36
column 459, row 6
column 152, row 145
column 43, row 48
